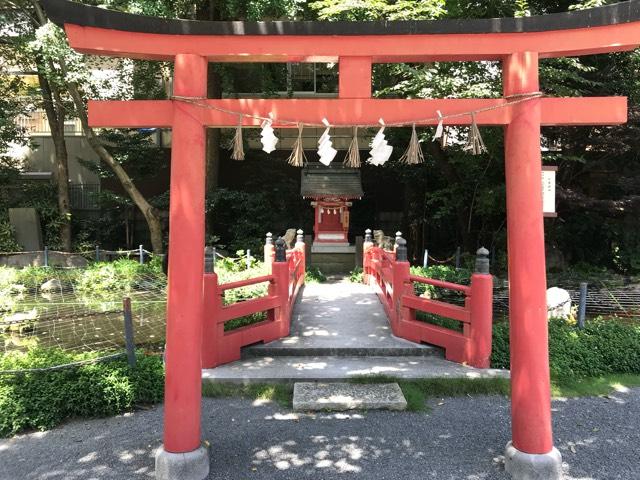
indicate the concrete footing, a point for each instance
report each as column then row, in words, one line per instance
column 182, row 466
column 529, row 466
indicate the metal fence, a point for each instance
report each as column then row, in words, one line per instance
column 599, row 299
column 84, row 196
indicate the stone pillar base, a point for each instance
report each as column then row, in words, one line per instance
column 182, row 466
column 529, row 466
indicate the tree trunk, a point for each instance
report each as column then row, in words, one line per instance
column 150, row 213
column 54, row 109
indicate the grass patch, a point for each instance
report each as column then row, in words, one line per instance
column 277, row 393
column 593, row 386
column 416, row 392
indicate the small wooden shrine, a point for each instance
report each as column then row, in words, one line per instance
column 331, row 190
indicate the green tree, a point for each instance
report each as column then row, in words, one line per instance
column 65, row 81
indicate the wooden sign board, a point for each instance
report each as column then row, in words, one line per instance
column 549, row 191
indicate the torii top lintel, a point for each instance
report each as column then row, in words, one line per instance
column 105, row 32
column 355, row 46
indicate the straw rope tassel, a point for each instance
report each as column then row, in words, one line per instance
column 238, row 147
column 413, row 155
column 475, row 144
column 352, row 160
column 297, row 157
column 444, row 138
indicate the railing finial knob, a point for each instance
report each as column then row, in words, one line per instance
column 398, row 237
column 482, row 261
column 281, row 250
column 401, row 249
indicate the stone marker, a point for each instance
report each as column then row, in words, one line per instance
column 311, row 396
column 26, row 225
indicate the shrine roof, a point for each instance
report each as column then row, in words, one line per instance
column 318, row 181
column 68, row 12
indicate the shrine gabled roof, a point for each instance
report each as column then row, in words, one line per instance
column 318, row 181
column 67, row 12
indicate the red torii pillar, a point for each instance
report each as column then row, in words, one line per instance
column 531, row 455
column 185, row 301
column 530, row 382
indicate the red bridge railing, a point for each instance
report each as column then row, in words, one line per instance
column 388, row 273
column 286, row 278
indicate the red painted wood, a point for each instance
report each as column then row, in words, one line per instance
column 212, row 304
column 355, row 77
column 437, row 307
column 158, row 113
column 530, row 383
column 247, row 307
column 381, row 48
column 245, row 283
column 440, row 284
column 480, row 305
column 221, row 347
column 232, row 342
column 185, row 302
column 454, row 343
column 393, row 284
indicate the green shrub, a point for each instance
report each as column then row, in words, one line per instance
column 356, row 275
column 115, row 279
column 439, row 272
column 233, row 270
column 7, row 238
column 41, row 400
column 604, row 346
column 314, row 275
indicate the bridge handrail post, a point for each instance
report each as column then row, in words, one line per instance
column 211, row 331
column 367, row 246
column 401, row 274
column 280, row 288
column 481, row 310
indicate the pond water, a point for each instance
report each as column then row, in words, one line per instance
column 72, row 322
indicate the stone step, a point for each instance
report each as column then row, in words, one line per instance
column 338, row 369
column 281, row 348
column 312, row 396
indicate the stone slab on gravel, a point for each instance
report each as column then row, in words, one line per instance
column 312, row 396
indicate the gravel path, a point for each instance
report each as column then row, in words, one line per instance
column 460, row 438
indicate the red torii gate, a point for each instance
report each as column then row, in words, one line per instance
column 517, row 43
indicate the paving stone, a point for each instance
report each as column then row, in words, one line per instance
column 312, row 396
column 340, row 318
